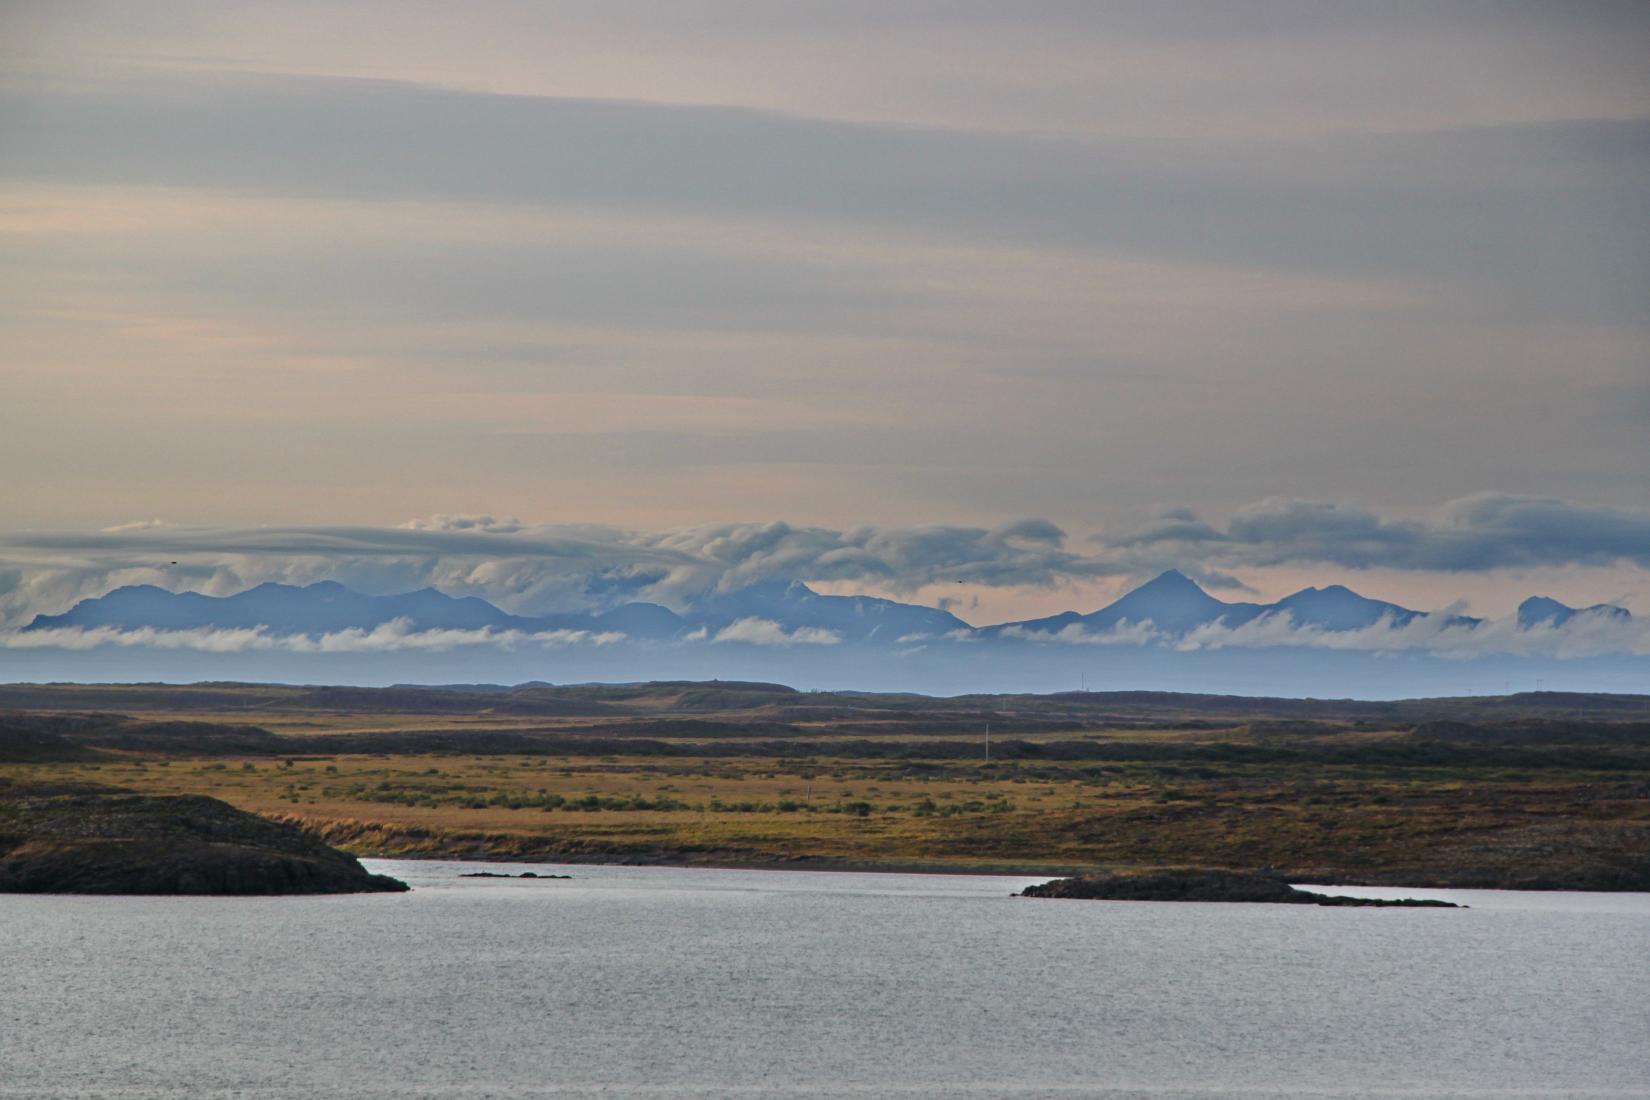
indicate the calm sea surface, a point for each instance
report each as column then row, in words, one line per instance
column 663, row 982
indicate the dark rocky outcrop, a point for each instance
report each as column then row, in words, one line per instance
column 1204, row 885
column 97, row 840
column 82, row 736
column 498, row 874
column 34, row 739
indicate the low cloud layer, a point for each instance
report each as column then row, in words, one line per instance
column 391, row 637
column 1124, row 633
column 1479, row 532
column 546, row 568
column 533, row 569
column 1442, row 634
column 1587, row 634
column 766, row 632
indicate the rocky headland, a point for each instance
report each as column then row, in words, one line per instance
column 80, row 839
column 1206, row 885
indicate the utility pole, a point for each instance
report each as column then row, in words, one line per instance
column 988, row 742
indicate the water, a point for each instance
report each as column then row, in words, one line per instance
column 666, row 982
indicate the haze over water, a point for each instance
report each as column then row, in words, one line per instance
column 651, row 981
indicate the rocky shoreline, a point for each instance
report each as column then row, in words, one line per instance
column 391, row 840
column 80, row 839
column 1208, row 885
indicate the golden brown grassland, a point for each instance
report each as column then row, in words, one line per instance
column 1338, row 798
column 1349, row 823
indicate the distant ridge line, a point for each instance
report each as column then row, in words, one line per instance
column 1171, row 602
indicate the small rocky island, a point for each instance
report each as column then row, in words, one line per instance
column 1206, row 885
column 498, row 874
column 80, row 839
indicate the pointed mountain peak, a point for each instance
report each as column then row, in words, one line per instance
column 1171, row 600
column 1170, row 580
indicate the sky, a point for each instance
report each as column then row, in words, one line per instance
column 1006, row 305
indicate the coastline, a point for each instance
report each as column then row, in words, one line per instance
column 796, row 863
column 993, row 870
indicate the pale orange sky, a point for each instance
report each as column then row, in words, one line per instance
column 665, row 265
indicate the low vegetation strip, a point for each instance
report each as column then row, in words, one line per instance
column 1508, row 792
column 776, row 701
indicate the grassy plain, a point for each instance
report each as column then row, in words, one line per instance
column 1547, row 795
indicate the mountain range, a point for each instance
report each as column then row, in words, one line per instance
column 1172, row 603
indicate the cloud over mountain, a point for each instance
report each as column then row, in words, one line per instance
column 755, row 631
column 392, row 637
column 534, row 569
column 1170, row 613
column 1479, row 532
column 1588, row 634
column 537, row 569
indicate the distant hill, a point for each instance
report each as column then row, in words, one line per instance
column 29, row 738
column 1545, row 611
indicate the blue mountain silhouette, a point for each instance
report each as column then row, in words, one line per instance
column 283, row 608
column 1172, row 602
column 1175, row 604
column 327, row 606
column 793, row 604
column 1546, row 611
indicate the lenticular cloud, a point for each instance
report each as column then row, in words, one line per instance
column 390, row 637
column 1442, row 634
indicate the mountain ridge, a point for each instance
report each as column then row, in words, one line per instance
column 1546, row 611
column 1175, row 604
column 1171, row 602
